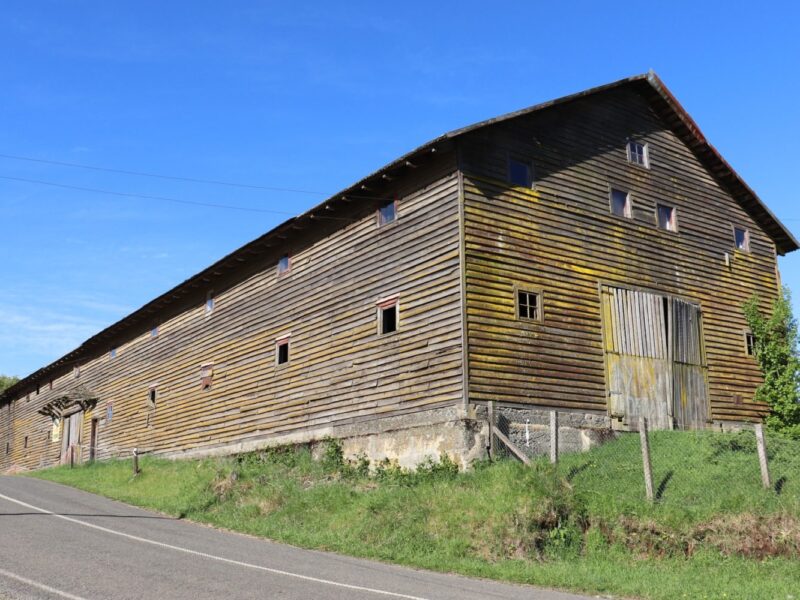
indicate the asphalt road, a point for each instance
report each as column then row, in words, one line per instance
column 58, row 542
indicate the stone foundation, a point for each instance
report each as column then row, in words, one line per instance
column 408, row 440
column 528, row 428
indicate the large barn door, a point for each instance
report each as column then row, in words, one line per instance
column 638, row 365
column 654, row 359
column 690, row 388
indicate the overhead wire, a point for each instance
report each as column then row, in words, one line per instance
column 161, row 176
column 145, row 196
column 166, row 177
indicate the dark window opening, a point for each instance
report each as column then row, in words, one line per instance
column 151, row 397
column 25, row 443
column 529, row 305
column 38, row 388
column 750, row 344
column 282, row 353
column 8, row 447
column 667, row 217
column 637, row 154
column 388, row 318
column 621, row 203
column 520, row 173
column 387, row 213
column 741, row 239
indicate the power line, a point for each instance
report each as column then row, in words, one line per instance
column 159, row 176
column 145, row 196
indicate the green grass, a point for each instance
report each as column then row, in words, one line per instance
column 584, row 526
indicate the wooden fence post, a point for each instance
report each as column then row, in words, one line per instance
column 135, row 462
column 490, row 408
column 553, row 436
column 648, row 467
column 762, row 455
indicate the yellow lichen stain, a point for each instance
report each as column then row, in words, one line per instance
column 583, row 270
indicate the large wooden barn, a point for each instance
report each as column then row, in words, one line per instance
column 589, row 254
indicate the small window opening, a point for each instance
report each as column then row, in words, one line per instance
column 206, row 375
column 667, row 217
column 25, row 443
column 209, row 303
column 51, row 384
column 388, row 317
column 741, row 239
column 621, row 203
column 113, row 352
column 520, row 173
column 282, row 351
column 76, row 372
column 637, row 154
column 38, row 389
column 8, row 447
column 529, row 305
column 152, row 395
column 154, row 332
column 750, row 343
column 284, row 264
column 387, row 213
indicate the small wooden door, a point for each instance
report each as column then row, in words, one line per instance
column 654, row 359
column 71, row 438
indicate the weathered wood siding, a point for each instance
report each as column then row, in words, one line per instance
column 562, row 239
column 339, row 371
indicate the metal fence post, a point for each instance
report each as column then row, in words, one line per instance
column 762, row 455
column 648, row 467
column 553, row 436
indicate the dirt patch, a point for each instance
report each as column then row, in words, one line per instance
column 753, row 536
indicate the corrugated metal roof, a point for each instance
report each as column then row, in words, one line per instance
column 667, row 106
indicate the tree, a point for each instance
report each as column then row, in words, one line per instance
column 776, row 351
column 6, row 382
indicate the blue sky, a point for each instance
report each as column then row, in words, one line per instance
column 312, row 96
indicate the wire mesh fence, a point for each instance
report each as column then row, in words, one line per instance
column 686, row 476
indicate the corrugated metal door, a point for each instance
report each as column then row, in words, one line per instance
column 654, row 359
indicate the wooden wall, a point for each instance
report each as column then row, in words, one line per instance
column 562, row 239
column 340, row 370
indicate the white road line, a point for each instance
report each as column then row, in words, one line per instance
column 38, row 585
column 209, row 556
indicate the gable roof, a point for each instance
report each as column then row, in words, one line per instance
column 648, row 84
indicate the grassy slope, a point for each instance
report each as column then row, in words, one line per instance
column 585, row 527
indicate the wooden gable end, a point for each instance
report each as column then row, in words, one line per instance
column 561, row 236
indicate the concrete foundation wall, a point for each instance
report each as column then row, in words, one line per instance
column 406, row 440
column 462, row 435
